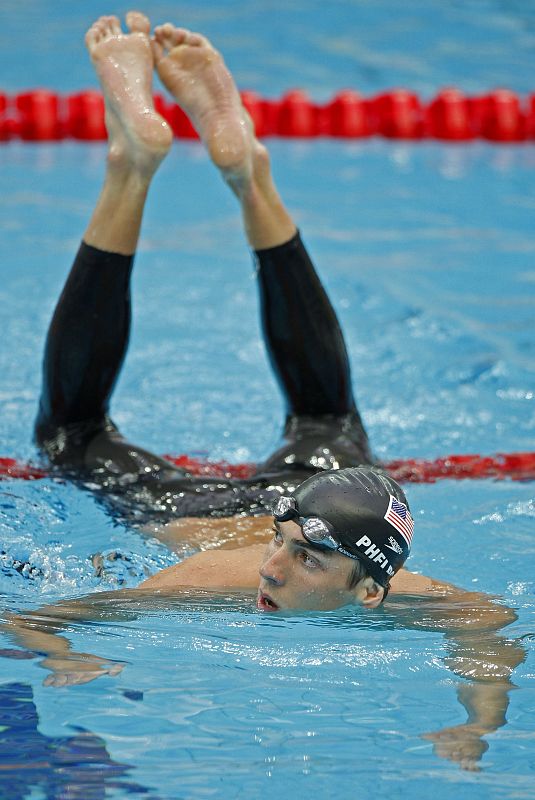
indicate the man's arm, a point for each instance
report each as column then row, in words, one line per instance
column 486, row 660
column 39, row 632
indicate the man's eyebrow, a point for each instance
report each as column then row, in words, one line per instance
column 305, row 545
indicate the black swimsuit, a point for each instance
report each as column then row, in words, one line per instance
column 85, row 349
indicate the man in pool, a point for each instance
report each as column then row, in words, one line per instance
column 340, row 537
column 338, row 530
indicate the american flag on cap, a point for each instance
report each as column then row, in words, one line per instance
column 398, row 515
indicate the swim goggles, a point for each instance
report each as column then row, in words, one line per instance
column 317, row 531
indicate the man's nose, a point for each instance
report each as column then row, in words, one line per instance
column 273, row 570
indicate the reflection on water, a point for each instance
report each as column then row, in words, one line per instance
column 76, row 767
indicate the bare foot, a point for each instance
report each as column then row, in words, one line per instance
column 196, row 75
column 138, row 136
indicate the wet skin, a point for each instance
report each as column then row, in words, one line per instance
column 296, row 575
column 285, row 570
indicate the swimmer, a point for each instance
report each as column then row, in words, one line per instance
column 319, row 525
column 89, row 331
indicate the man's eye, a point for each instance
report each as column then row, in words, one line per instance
column 277, row 536
column 308, row 561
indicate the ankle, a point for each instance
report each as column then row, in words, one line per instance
column 252, row 179
column 122, row 182
column 123, row 168
column 267, row 222
column 261, row 163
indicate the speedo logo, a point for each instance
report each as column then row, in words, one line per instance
column 375, row 554
column 393, row 545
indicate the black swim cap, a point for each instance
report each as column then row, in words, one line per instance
column 367, row 512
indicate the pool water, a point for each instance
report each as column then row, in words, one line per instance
column 427, row 252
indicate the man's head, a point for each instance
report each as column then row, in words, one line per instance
column 339, row 538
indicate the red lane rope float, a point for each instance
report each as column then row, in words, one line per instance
column 515, row 466
column 498, row 116
column 10, row 468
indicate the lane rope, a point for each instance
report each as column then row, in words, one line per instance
column 512, row 466
column 499, row 116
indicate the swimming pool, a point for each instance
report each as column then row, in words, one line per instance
column 427, row 251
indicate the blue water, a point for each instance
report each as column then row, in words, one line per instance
column 272, row 45
column 427, row 251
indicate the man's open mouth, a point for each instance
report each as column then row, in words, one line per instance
column 265, row 603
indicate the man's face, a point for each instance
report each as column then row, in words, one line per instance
column 294, row 574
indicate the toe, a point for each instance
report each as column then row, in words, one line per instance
column 101, row 25
column 196, row 40
column 169, row 36
column 163, row 31
column 92, row 37
column 114, row 26
column 179, row 36
column 138, row 22
column 157, row 50
column 106, row 25
column 161, row 36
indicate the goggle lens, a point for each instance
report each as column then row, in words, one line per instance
column 315, row 530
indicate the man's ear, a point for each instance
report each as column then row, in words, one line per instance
column 369, row 593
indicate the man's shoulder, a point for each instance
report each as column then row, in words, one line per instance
column 405, row 582
column 239, row 560
column 212, row 569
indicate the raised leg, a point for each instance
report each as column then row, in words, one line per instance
column 303, row 337
column 196, row 75
column 138, row 137
column 89, row 331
